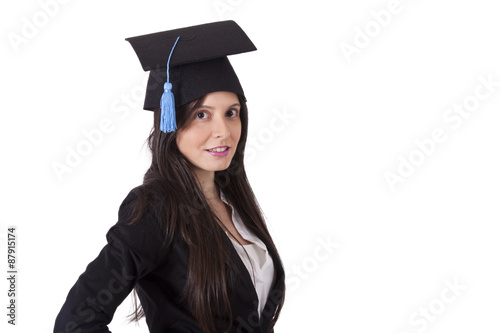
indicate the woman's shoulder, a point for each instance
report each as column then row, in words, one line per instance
column 139, row 222
column 141, row 203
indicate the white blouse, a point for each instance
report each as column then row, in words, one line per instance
column 258, row 261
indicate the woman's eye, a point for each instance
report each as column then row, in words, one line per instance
column 232, row 113
column 201, row 115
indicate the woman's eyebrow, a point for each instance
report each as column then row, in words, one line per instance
column 211, row 107
column 205, row 107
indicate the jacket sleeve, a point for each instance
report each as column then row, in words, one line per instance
column 132, row 251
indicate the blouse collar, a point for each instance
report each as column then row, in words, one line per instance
column 240, row 226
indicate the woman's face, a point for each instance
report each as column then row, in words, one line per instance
column 210, row 140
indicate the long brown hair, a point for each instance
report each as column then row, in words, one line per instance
column 179, row 201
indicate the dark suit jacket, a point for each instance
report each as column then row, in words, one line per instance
column 134, row 256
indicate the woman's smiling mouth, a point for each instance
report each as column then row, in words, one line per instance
column 220, row 151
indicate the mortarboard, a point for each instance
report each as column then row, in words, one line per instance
column 190, row 61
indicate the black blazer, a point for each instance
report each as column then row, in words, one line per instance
column 134, row 256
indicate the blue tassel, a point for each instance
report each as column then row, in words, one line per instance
column 167, row 105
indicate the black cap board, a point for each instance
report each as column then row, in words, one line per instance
column 198, row 62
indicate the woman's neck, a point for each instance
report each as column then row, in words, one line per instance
column 206, row 180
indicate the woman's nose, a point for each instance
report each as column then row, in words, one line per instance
column 221, row 128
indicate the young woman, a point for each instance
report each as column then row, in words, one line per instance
column 191, row 240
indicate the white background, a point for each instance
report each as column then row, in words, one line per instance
column 319, row 177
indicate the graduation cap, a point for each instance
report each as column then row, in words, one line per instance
column 187, row 63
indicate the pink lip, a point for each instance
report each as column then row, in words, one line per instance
column 219, row 154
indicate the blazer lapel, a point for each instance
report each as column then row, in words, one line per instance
column 244, row 275
column 276, row 292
